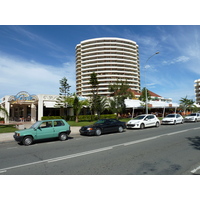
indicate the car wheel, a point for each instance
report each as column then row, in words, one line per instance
column 174, row 122
column 98, row 132
column 157, row 124
column 142, row 126
column 120, row 129
column 63, row 137
column 195, row 120
column 28, row 140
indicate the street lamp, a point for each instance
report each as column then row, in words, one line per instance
column 146, row 103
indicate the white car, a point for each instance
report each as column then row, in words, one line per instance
column 143, row 121
column 193, row 117
column 173, row 119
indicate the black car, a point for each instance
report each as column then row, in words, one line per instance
column 103, row 126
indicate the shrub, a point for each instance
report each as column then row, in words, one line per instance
column 51, row 117
column 81, row 117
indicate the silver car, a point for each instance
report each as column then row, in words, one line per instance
column 193, row 117
column 173, row 119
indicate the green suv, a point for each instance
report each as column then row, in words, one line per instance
column 56, row 128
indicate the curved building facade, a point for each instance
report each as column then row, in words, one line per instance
column 111, row 59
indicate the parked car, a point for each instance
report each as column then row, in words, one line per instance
column 173, row 119
column 103, row 126
column 57, row 128
column 193, row 117
column 143, row 121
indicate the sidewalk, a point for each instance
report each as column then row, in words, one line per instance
column 8, row 137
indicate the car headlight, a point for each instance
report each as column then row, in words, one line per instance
column 17, row 134
column 90, row 129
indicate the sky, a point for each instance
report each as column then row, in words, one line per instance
column 34, row 58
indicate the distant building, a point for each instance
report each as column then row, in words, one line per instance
column 197, row 91
column 111, row 59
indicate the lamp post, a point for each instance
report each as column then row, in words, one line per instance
column 146, row 100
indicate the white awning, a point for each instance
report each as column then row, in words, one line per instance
column 49, row 104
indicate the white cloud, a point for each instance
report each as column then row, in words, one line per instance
column 33, row 77
column 179, row 59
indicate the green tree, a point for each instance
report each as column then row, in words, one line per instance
column 186, row 104
column 102, row 104
column 119, row 92
column 94, row 97
column 64, row 99
column 4, row 111
column 78, row 105
column 143, row 96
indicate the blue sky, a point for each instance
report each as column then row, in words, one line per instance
column 34, row 58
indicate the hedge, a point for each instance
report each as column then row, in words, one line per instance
column 82, row 117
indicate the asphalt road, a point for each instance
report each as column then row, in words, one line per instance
column 167, row 150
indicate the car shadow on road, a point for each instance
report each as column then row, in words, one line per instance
column 195, row 142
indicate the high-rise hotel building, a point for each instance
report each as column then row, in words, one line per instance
column 197, row 90
column 111, row 59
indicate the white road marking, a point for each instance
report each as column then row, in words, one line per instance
column 12, row 148
column 79, row 154
column 142, row 140
column 195, row 170
column 174, row 133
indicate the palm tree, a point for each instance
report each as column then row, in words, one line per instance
column 4, row 111
column 78, row 105
column 186, row 103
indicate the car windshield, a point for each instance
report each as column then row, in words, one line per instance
column 139, row 117
column 35, row 125
column 101, row 121
column 170, row 116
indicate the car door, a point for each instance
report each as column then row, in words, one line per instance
column 107, row 126
column 45, row 130
column 198, row 116
column 147, row 121
column 114, row 125
column 152, row 120
column 58, row 127
column 178, row 118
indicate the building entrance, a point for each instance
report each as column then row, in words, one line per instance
column 23, row 107
column 23, row 113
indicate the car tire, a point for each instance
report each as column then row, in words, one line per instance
column 63, row 136
column 157, row 124
column 98, row 132
column 142, row 126
column 28, row 140
column 120, row 129
column 174, row 122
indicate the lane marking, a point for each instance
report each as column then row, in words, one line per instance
column 142, row 140
column 194, row 170
column 79, row 154
column 174, row 133
column 12, row 147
